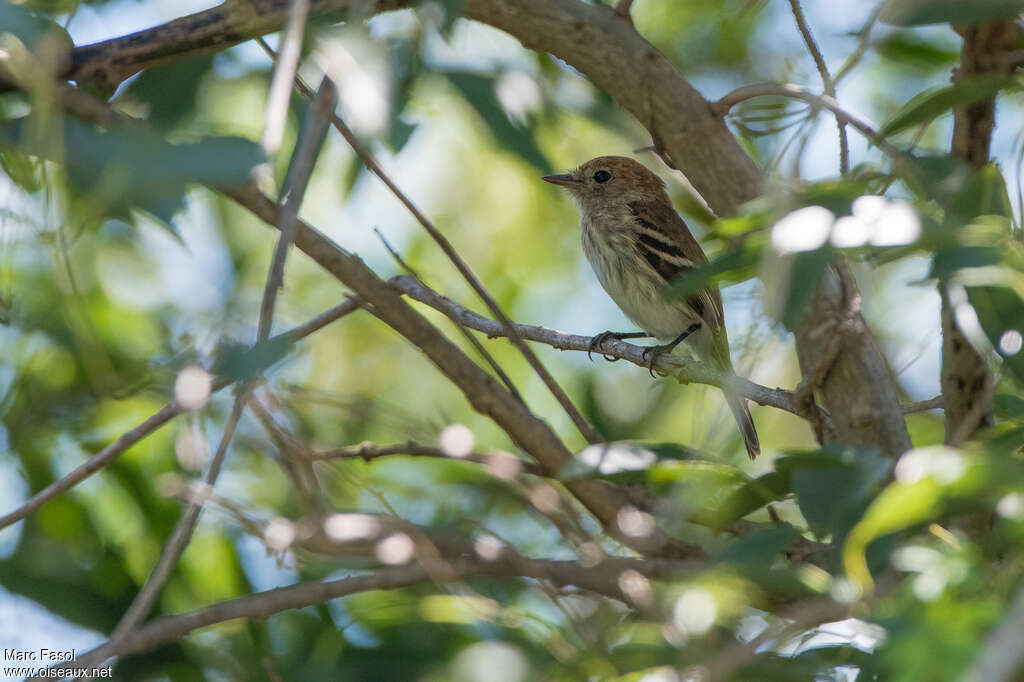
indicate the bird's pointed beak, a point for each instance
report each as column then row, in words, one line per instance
column 565, row 180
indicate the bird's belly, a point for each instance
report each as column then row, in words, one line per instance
column 637, row 290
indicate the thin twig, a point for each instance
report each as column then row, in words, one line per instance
column 826, row 80
column 368, row 452
column 299, row 172
column 181, row 535
column 284, row 73
column 290, row 455
column 473, row 341
column 864, row 42
column 742, row 94
column 585, row 427
column 936, row 403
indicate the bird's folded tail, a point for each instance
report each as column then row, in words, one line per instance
column 741, row 412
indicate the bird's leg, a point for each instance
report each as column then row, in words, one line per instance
column 651, row 353
column 597, row 341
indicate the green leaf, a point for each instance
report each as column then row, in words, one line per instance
column 121, row 169
column 399, row 133
column 235, row 361
column 746, row 499
column 1009, row 406
column 1000, row 311
column 948, row 260
column 930, row 104
column 909, row 50
column 479, row 91
column 30, row 28
column 171, row 90
column 899, row 506
column 805, row 271
column 761, row 547
column 920, row 12
column 963, row 192
column 833, row 489
column 25, row 172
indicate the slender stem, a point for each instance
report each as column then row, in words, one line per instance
column 826, row 80
column 936, row 403
column 370, row 451
column 299, row 172
column 284, row 72
column 94, row 463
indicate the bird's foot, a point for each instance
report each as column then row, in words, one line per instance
column 652, row 353
column 598, row 341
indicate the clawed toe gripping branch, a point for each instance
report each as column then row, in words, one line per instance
column 598, row 341
column 652, row 353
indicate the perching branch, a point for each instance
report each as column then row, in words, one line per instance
column 686, row 371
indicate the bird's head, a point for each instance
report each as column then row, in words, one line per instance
column 610, row 180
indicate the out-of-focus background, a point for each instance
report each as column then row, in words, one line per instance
column 101, row 315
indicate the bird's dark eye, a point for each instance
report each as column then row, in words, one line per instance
column 602, row 176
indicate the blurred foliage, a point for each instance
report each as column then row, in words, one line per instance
column 118, row 270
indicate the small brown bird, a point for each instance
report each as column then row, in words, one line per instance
column 638, row 244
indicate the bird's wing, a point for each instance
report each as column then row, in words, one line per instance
column 664, row 241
